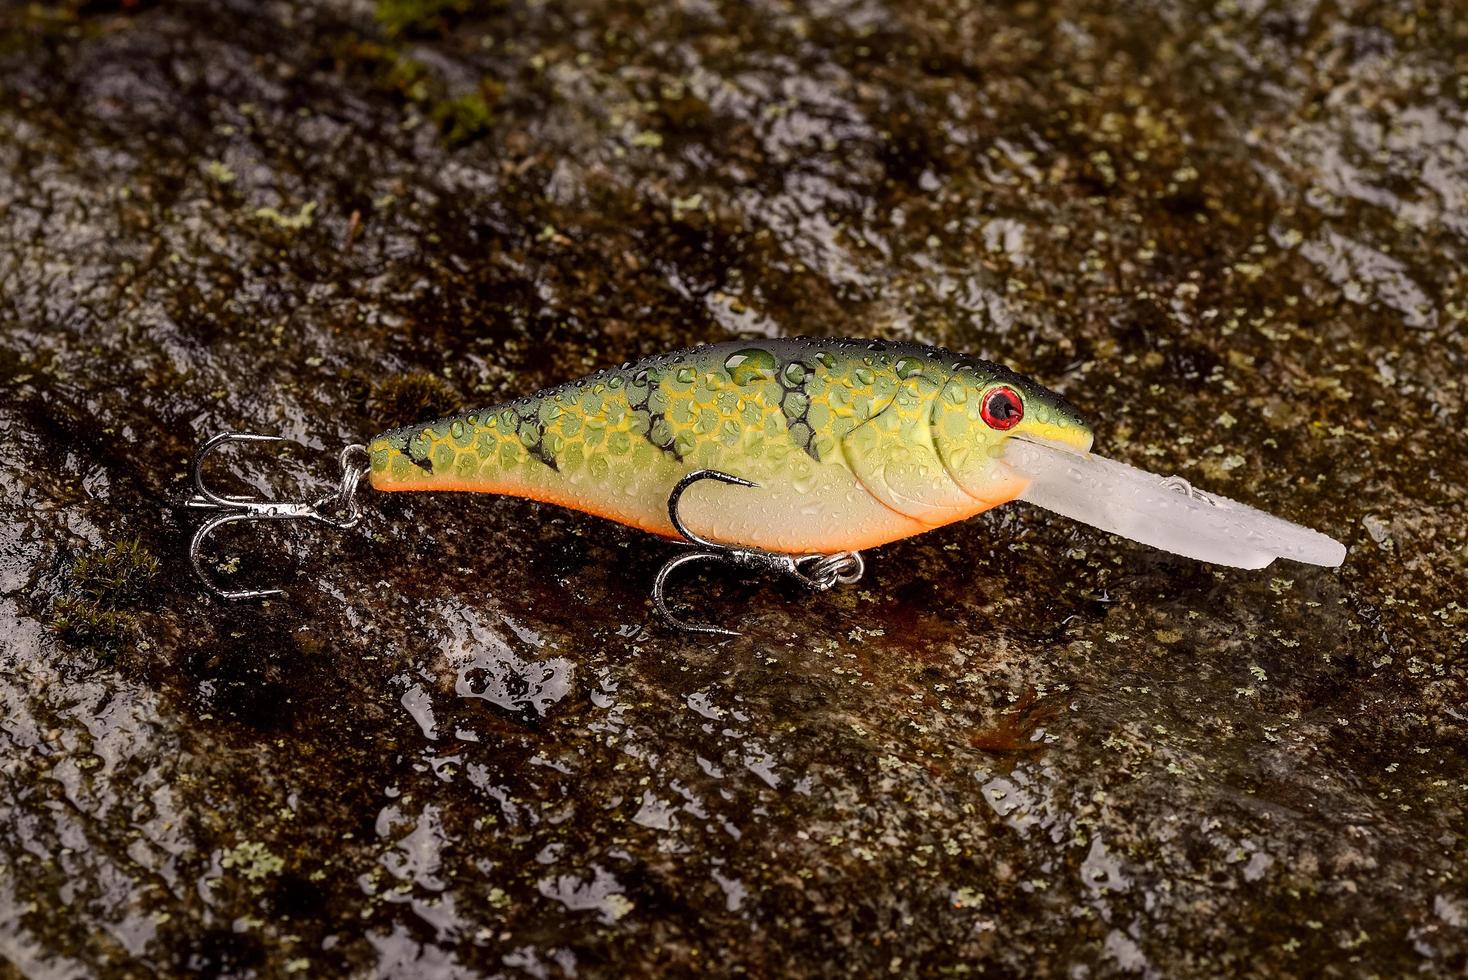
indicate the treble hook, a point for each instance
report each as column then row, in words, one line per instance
column 817, row 572
column 339, row 509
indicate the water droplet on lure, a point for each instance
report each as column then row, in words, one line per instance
column 750, row 365
column 908, row 367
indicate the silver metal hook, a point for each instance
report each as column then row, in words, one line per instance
column 817, row 572
column 339, row 509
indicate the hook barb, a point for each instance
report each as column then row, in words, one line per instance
column 816, row 572
column 339, row 509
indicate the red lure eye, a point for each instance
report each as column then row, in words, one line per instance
column 1002, row 409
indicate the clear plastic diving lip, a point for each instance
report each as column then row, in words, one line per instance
column 1164, row 512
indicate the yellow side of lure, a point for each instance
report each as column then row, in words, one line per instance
column 849, row 444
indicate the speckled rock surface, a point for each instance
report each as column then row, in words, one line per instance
column 1236, row 234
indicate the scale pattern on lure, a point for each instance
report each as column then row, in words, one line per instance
column 786, row 457
column 850, row 444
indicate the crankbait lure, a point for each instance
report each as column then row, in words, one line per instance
column 787, row 456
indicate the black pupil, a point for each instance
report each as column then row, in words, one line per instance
column 1002, row 406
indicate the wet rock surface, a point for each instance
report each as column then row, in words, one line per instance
column 1235, row 234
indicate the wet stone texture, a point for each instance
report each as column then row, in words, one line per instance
column 1235, row 234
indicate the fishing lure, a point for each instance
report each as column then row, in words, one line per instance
column 787, row 457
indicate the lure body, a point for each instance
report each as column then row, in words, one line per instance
column 850, row 444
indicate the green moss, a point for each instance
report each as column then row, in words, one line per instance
column 85, row 623
column 461, row 118
column 468, row 117
column 114, row 576
column 384, row 67
column 106, row 585
column 401, row 399
column 399, row 17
